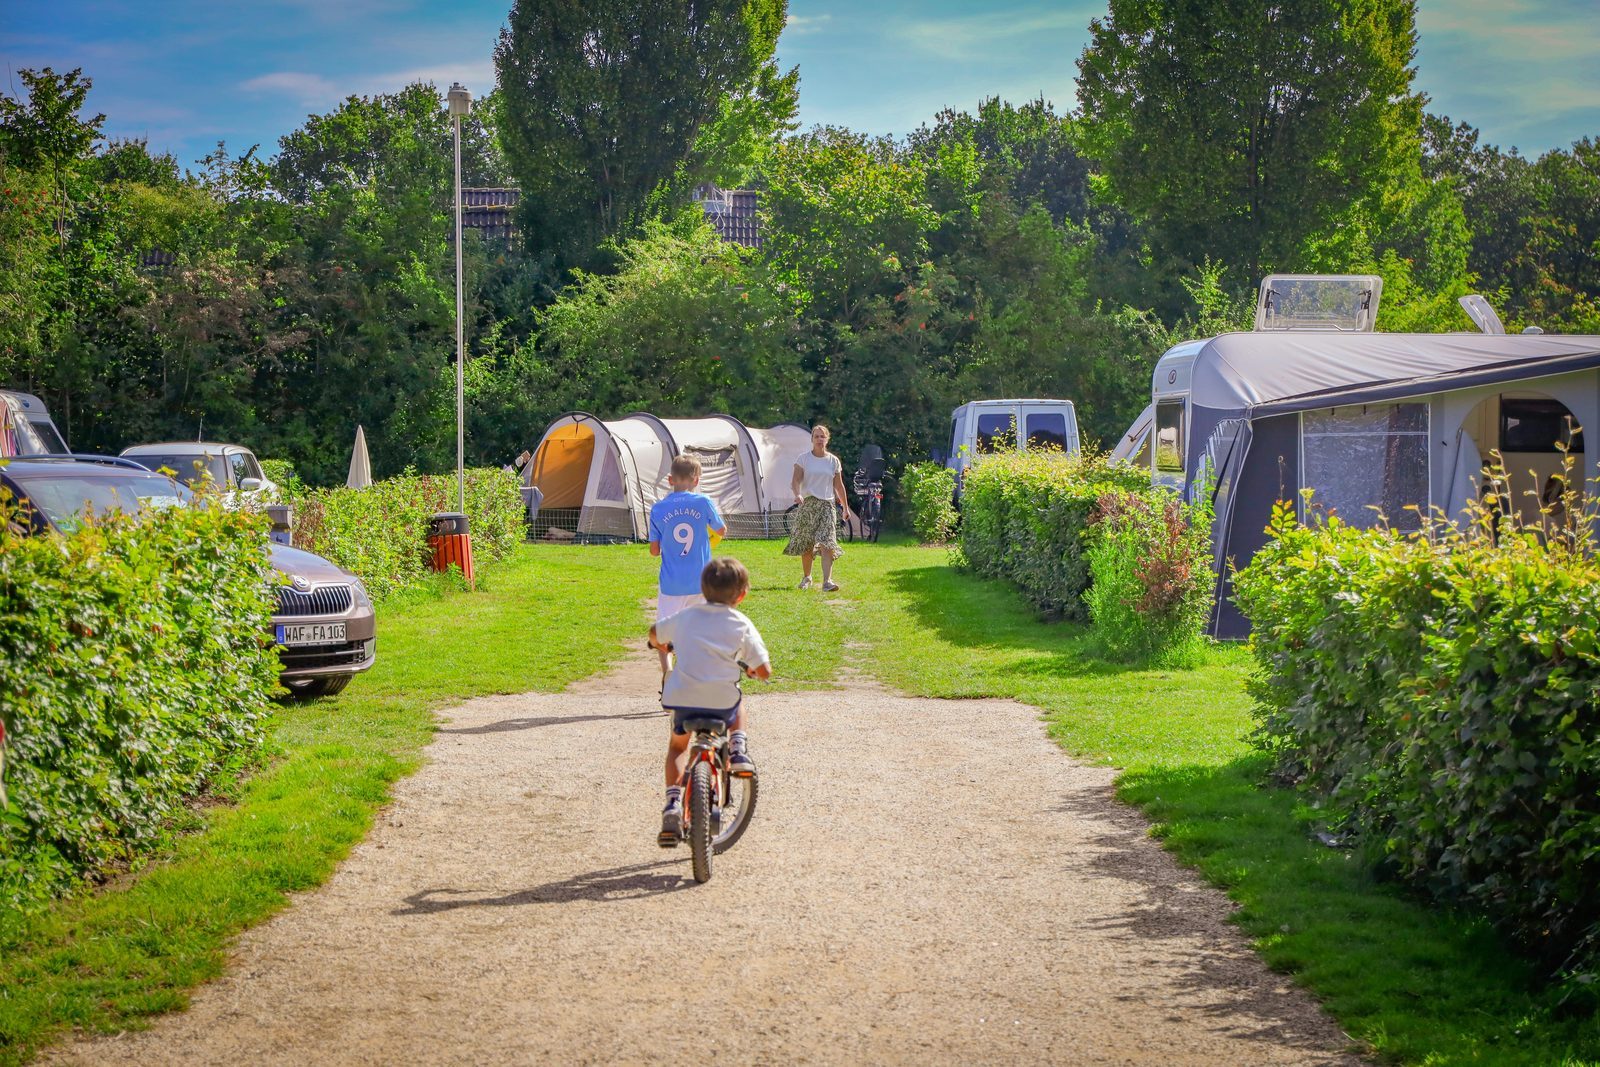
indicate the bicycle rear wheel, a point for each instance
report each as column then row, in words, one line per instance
column 738, row 804
column 700, row 820
column 872, row 522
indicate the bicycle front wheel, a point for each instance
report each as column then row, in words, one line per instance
column 700, row 820
column 738, row 804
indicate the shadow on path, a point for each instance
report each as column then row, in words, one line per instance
column 535, row 722
column 612, row 884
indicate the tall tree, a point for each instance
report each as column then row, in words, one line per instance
column 1238, row 130
column 606, row 105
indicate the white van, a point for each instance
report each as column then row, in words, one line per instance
column 982, row 426
column 26, row 428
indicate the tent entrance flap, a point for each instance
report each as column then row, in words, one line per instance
column 560, row 468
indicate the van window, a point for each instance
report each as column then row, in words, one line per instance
column 1047, row 430
column 240, row 468
column 955, row 441
column 1169, row 436
column 996, row 432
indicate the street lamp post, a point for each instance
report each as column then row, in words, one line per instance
column 460, row 103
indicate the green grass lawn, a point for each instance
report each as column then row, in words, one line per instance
column 1419, row 985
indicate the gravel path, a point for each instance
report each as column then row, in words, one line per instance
column 925, row 881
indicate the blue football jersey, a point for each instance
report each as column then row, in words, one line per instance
column 683, row 523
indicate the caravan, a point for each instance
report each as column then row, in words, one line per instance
column 1377, row 426
column 26, row 428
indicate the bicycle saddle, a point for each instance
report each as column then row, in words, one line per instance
column 708, row 726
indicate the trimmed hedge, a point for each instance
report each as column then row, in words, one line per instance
column 929, row 490
column 136, row 663
column 1025, row 518
column 1439, row 696
column 381, row 532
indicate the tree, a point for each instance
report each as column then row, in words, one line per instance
column 1239, row 130
column 47, row 131
column 608, row 107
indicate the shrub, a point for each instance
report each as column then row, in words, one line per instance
column 380, row 532
column 280, row 472
column 1152, row 584
column 1024, row 518
column 929, row 490
column 1439, row 695
column 136, row 661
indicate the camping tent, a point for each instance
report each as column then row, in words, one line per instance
column 779, row 447
column 598, row 479
column 1373, row 423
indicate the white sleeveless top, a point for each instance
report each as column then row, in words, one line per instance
column 817, row 474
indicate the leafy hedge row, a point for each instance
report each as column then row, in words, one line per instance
column 380, row 532
column 136, row 663
column 1440, row 696
column 929, row 491
column 1026, row 516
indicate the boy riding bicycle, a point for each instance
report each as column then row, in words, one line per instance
column 715, row 646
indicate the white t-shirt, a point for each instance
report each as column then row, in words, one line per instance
column 708, row 641
column 817, row 474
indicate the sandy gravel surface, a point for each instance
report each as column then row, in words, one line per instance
column 925, row 881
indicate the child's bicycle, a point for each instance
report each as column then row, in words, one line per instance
column 716, row 805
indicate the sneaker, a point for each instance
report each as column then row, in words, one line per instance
column 830, row 587
column 805, row 583
column 740, row 765
column 671, row 826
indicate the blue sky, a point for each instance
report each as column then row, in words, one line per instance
column 187, row 73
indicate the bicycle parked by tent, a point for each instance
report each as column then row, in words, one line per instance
column 868, row 485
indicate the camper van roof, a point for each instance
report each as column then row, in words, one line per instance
column 1263, row 373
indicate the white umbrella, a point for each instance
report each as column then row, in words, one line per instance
column 360, row 465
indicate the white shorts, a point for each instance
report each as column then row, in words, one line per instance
column 668, row 606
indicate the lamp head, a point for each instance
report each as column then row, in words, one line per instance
column 460, row 101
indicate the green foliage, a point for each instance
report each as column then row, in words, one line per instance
column 610, row 108
column 1241, row 131
column 1025, row 517
column 380, row 533
column 929, row 490
column 1151, row 582
column 688, row 325
column 1438, row 695
column 279, row 471
column 138, row 664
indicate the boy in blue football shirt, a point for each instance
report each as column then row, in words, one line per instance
column 681, row 529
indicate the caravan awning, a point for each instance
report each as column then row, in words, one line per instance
column 1275, row 373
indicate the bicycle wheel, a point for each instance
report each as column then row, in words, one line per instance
column 846, row 532
column 738, row 804
column 872, row 521
column 700, row 820
column 788, row 519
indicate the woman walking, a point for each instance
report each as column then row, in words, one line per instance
column 818, row 482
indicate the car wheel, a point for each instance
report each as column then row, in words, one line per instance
column 311, row 688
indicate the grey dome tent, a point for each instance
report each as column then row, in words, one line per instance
column 1374, row 423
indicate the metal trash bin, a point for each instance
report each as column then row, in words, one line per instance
column 450, row 543
column 282, row 518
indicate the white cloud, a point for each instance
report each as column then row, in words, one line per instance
column 990, row 35
column 798, row 24
column 307, row 89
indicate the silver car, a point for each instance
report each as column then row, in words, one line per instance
column 323, row 624
column 231, row 469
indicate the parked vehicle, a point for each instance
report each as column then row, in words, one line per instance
column 986, row 426
column 233, row 469
column 1377, row 426
column 26, row 428
column 324, row 624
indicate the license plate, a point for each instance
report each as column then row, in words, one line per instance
column 311, row 633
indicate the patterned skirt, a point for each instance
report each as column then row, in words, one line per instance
column 816, row 526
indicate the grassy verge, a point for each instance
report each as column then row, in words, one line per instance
column 104, row 960
column 1416, row 984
